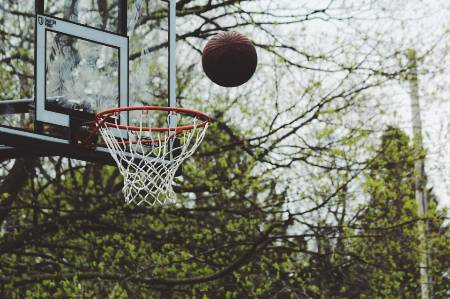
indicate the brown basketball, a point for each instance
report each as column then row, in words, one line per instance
column 229, row 59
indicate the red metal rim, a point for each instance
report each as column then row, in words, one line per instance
column 102, row 116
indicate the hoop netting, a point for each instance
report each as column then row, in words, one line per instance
column 148, row 160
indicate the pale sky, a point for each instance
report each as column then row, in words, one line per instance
column 383, row 26
column 406, row 24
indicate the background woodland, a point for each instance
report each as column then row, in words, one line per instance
column 304, row 186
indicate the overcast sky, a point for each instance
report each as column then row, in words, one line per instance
column 407, row 24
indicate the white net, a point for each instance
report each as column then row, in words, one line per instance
column 149, row 158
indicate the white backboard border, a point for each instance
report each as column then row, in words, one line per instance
column 46, row 23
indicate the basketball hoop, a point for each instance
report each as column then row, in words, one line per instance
column 146, row 153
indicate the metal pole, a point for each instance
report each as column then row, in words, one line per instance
column 172, row 118
column 39, row 6
column 420, row 181
column 122, row 22
column 172, row 54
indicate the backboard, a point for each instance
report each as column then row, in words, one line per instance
column 66, row 60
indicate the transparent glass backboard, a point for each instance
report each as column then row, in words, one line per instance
column 82, row 55
column 79, row 68
column 80, row 74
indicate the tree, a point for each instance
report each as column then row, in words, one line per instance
column 388, row 246
column 266, row 207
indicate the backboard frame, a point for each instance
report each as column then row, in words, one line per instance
column 40, row 144
column 46, row 24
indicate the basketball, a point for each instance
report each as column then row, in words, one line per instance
column 229, row 59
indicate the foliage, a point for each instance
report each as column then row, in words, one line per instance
column 270, row 206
